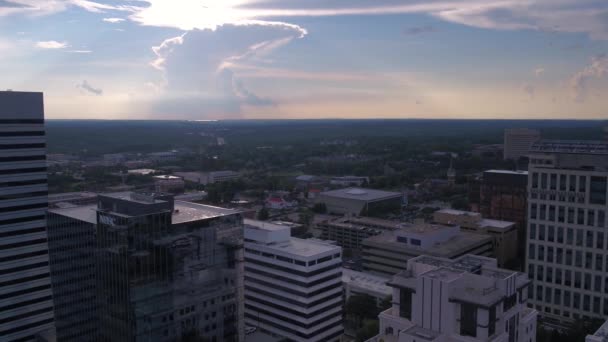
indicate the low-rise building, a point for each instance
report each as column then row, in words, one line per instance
column 601, row 335
column 169, row 184
column 504, row 233
column 293, row 287
column 71, row 199
column 361, row 283
column 389, row 252
column 208, row 177
column 349, row 181
column 359, row 201
column 349, row 232
column 463, row 300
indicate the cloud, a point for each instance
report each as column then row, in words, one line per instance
column 579, row 82
column 539, row 71
column 113, row 20
column 582, row 16
column 417, row 30
column 529, row 90
column 51, row 44
column 200, row 69
column 89, row 88
column 80, row 51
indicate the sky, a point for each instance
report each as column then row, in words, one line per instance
column 287, row 59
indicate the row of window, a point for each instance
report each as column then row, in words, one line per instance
column 572, row 183
column 569, row 278
column 250, row 299
column 291, row 281
column 293, row 261
column 573, row 236
column 568, row 257
column 412, row 241
column 569, row 299
column 562, row 214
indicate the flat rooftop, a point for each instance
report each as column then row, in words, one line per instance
column 70, row 196
column 301, row 247
column 571, row 146
column 86, row 213
column 462, row 241
column 508, row 172
column 184, row 212
column 264, row 225
column 361, row 194
column 367, row 281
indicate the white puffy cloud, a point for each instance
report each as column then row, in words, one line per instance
column 583, row 16
column 113, row 20
column 51, row 44
column 539, row 72
column 579, row 82
column 200, row 68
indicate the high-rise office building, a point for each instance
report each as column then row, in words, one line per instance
column 467, row 299
column 72, row 257
column 26, row 306
column 293, row 287
column 518, row 141
column 503, row 196
column 567, row 248
column 164, row 270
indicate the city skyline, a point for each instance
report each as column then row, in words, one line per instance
column 245, row 59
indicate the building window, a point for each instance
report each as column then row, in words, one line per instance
column 468, row 320
column 532, row 231
column 531, row 251
column 402, row 239
column 405, row 303
column 601, row 218
column 492, row 321
column 415, row 242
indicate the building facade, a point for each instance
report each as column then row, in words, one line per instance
column 349, row 232
column 387, row 254
column 567, row 248
column 169, row 184
column 504, row 233
column 518, row 141
column 360, row 283
column 358, row 201
column 504, row 196
column 466, row 300
column 164, row 270
column 72, row 258
column 293, row 287
column 26, row 305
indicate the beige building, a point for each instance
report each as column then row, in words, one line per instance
column 388, row 253
column 504, row 233
column 169, row 184
column 518, row 141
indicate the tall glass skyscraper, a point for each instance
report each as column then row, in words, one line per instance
column 164, row 270
column 26, row 306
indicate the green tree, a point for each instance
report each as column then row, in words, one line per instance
column 320, row 208
column 370, row 329
column 361, row 307
column 263, row 214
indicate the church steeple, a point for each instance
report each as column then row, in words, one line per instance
column 451, row 173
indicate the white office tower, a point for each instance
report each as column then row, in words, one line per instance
column 567, row 249
column 293, row 287
column 518, row 141
column 26, row 305
column 464, row 300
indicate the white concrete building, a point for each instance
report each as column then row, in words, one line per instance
column 518, row 141
column 601, row 335
column 361, row 283
column 504, row 233
column 464, row 300
column 26, row 305
column 169, row 184
column 349, row 181
column 387, row 254
column 567, row 250
column 293, row 287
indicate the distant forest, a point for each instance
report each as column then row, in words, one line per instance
column 95, row 137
